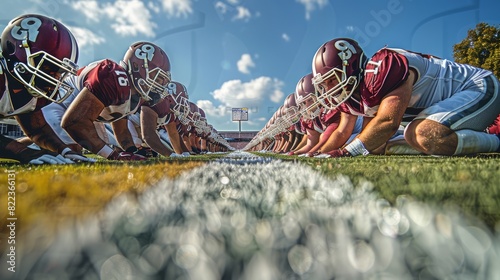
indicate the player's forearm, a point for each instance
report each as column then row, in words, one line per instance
column 377, row 132
column 37, row 129
column 85, row 134
column 305, row 149
column 187, row 144
column 154, row 142
column 175, row 138
column 122, row 134
column 337, row 140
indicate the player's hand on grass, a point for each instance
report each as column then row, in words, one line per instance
column 147, row 152
column 76, row 157
column 40, row 156
column 126, row 156
column 131, row 154
column 174, row 155
column 338, row 153
column 48, row 158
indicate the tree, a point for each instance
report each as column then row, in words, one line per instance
column 480, row 48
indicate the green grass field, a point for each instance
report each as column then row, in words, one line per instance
column 54, row 193
column 470, row 183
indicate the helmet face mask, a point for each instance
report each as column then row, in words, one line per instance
column 309, row 106
column 195, row 117
column 338, row 68
column 40, row 53
column 181, row 108
column 153, row 88
column 334, row 88
column 201, row 123
column 291, row 110
column 292, row 113
column 306, row 98
column 149, row 69
column 44, row 76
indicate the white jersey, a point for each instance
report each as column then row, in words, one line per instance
column 438, row 79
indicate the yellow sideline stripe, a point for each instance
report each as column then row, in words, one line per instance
column 51, row 194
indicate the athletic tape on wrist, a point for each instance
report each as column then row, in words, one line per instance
column 65, row 151
column 105, row 151
column 356, row 148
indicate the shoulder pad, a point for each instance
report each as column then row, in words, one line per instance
column 385, row 71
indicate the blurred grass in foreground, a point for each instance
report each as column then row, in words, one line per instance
column 51, row 194
column 470, row 183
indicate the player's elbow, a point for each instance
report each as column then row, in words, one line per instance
column 69, row 121
column 389, row 125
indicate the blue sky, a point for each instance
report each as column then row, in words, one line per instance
column 251, row 53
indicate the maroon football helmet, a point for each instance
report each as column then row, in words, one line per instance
column 180, row 95
column 149, row 69
column 306, row 98
column 292, row 112
column 337, row 70
column 194, row 114
column 202, row 125
column 40, row 52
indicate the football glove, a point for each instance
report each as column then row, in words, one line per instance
column 76, row 157
column 42, row 156
column 129, row 155
column 338, row 153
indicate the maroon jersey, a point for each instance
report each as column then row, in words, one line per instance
column 329, row 118
column 314, row 124
column 494, row 128
column 163, row 110
column 385, row 71
column 109, row 82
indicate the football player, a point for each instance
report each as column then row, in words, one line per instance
column 191, row 138
column 38, row 54
column 452, row 104
column 161, row 115
column 326, row 129
column 292, row 113
column 106, row 91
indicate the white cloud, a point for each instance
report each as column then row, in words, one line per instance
column 233, row 2
column 310, row 5
column 85, row 37
column 210, row 109
column 220, row 7
column 177, row 8
column 127, row 17
column 154, row 7
column 285, row 37
column 242, row 14
column 245, row 63
column 276, row 96
column 235, row 93
column 91, row 9
column 131, row 18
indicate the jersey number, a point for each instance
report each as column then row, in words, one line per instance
column 122, row 78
